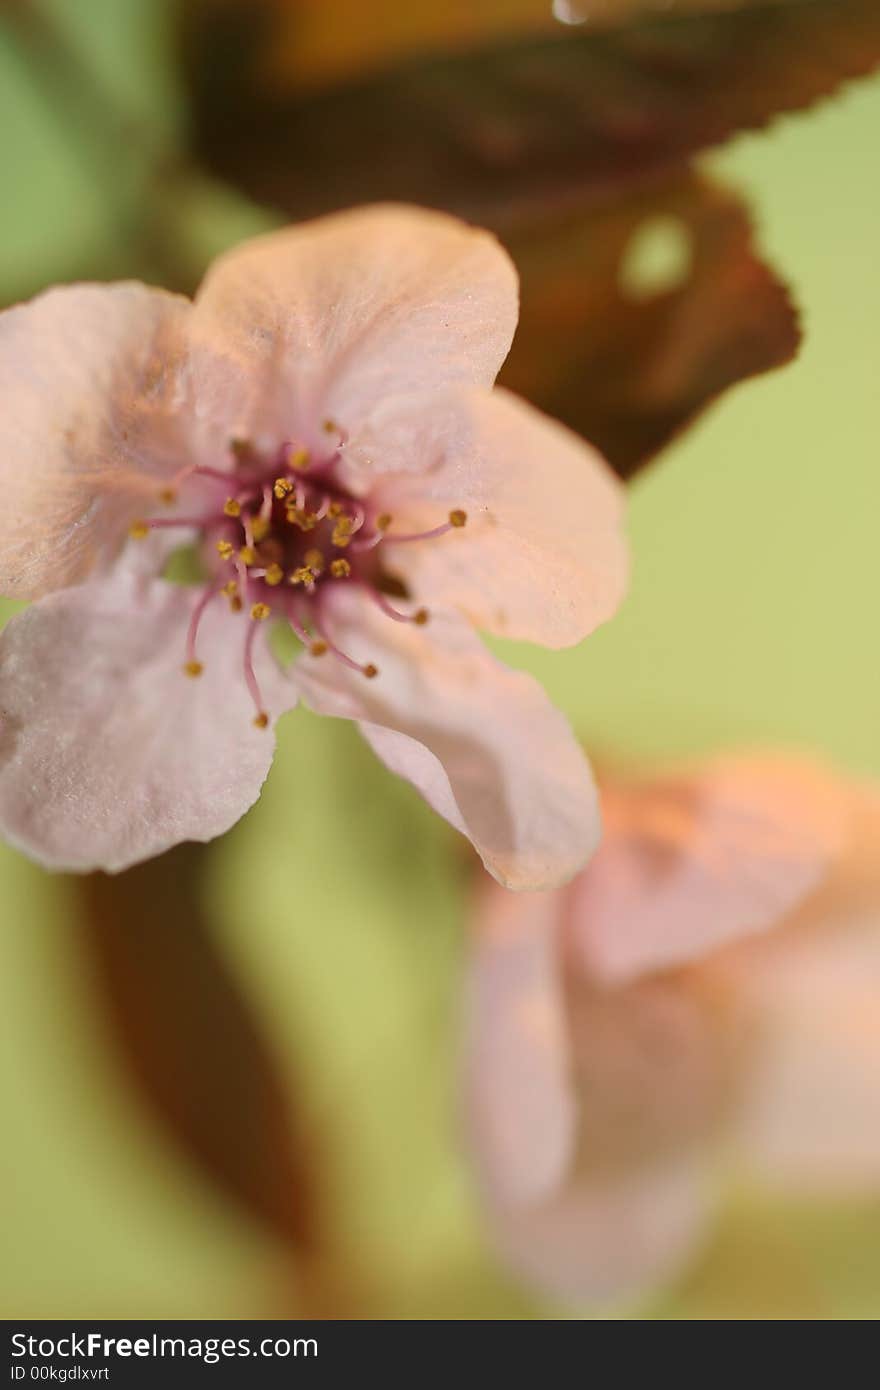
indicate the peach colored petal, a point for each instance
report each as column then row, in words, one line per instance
column 108, row 753
column 481, row 742
column 693, row 861
column 88, row 386
column 520, row 1110
column 337, row 314
column 809, row 1003
column 543, row 556
column 591, row 1113
column 620, row 1236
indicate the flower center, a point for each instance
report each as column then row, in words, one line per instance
column 277, row 536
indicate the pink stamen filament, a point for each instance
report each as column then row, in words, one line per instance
column 369, row 542
column 299, row 630
column 156, row 522
column 195, row 620
column 390, row 612
column 417, row 535
column 249, row 673
column 221, row 477
column 338, row 652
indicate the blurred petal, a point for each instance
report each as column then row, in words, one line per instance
column 619, row 1237
column 542, row 557
column 811, row 1118
column 650, row 1071
column 481, row 743
column 88, row 378
column 592, row 1113
column 348, row 310
column 692, row 862
column 108, row 753
column 520, row 1105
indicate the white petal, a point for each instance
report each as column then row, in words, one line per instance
column 481, row 742
column 109, row 753
column 543, row 557
column 337, row 314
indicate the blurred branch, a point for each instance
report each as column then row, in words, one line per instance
column 194, row 1050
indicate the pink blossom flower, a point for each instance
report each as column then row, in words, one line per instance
column 701, row 1002
column 319, row 425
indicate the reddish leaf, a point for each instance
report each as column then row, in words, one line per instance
column 190, row 1040
column 629, row 369
column 489, row 131
column 565, row 145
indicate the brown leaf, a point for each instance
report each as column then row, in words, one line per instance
column 191, row 1042
column 491, row 130
column 631, row 361
column 311, row 41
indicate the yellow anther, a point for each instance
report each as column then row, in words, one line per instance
column 306, row 521
column 260, row 612
column 247, row 555
column 260, row 528
column 261, row 720
column 231, row 507
column 421, row 616
column 193, row 668
column 315, row 560
column 370, row 671
column 457, row 518
column 168, row 495
column 342, row 531
column 225, row 550
column 302, row 575
column 335, row 509
column 384, row 521
column 299, row 459
column 282, row 487
column 319, row 649
column 330, row 427
column 231, row 587
column 138, row 530
column 241, row 449
column 235, row 603
column 274, row 575
column 340, row 569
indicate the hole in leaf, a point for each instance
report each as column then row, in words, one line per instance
column 657, row 259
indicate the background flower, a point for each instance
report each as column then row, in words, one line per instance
column 695, row 1003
